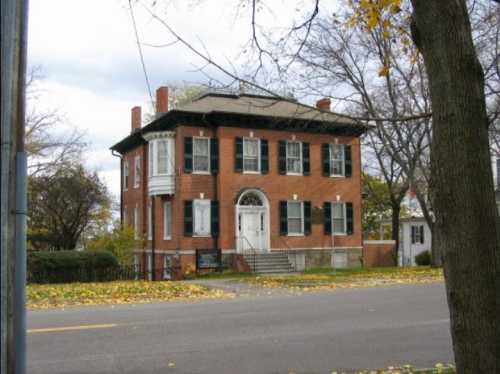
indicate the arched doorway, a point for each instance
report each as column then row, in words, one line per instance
column 252, row 222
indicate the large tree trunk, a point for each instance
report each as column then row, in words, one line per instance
column 461, row 187
column 396, row 210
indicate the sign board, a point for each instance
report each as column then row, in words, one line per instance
column 208, row 259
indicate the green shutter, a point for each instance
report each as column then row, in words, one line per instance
column 282, row 157
column 327, row 214
column 283, row 218
column 325, row 157
column 264, row 156
column 188, row 154
column 238, row 155
column 188, row 218
column 307, row 218
column 306, row 164
column 214, row 217
column 349, row 218
column 347, row 160
column 214, row 155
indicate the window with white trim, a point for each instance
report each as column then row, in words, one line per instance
column 137, row 171
column 125, row 174
column 159, row 157
column 125, row 217
column 137, row 267
column 293, row 157
column 201, row 213
column 251, row 155
column 337, row 161
column 295, row 213
column 150, row 267
column 150, row 222
column 417, row 234
column 136, row 223
column 338, row 218
column 201, row 155
column 167, row 220
column 167, row 264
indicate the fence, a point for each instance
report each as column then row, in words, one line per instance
column 107, row 274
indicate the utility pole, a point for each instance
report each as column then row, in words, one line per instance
column 14, row 23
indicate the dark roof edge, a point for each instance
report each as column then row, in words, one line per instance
column 166, row 122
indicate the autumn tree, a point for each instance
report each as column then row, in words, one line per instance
column 61, row 205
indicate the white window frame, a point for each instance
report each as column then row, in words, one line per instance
column 301, row 158
column 197, row 203
column 125, row 217
column 207, row 139
column 418, row 239
column 166, row 275
column 150, row 222
column 342, row 159
column 258, row 171
column 150, row 267
column 136, row 223
column 125, row 174
column 151, row 157
column 137, row 267
column 301, row 217
column 167, row 220
column 137, row 171
column 344, row 213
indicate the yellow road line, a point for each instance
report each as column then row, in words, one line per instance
column 72, row 328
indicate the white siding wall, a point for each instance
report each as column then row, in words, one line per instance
column 408, row 251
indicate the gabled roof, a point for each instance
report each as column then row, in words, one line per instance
column 250, row 111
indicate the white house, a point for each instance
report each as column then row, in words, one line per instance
column 414, row 237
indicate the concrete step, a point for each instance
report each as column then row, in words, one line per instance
column 274, row 262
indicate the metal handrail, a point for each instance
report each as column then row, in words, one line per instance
column 253, row 250
column 290, row 250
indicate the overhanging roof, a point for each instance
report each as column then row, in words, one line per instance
column 247, row 111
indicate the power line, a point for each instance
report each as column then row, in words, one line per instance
column 140, row 51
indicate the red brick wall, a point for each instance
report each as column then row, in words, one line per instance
column 315, row 188
column 378, row 253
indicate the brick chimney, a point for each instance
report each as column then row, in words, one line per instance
column 136, row 118
column 161, row 100
column 323, row 104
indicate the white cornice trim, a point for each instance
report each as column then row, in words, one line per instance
column 158, row 135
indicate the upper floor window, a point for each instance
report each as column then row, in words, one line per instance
column 125, row 174
column 159, row 157
column 251, row 155
column 201, row 155
column 337, row 160
column 293, row 158
column 137, row 171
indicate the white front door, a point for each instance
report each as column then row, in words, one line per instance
column 252, row 228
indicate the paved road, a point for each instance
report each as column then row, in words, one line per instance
column 308, row 333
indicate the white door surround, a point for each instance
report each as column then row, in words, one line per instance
column 252, row 222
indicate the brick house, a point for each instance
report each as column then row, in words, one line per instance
column 246, row 174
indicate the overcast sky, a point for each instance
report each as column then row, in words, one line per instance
column 93, row 74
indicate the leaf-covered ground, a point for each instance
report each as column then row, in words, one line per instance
column 120, row 292
column 407, row 369
column 358, row 278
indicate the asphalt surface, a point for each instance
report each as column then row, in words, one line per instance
column 279, row 333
